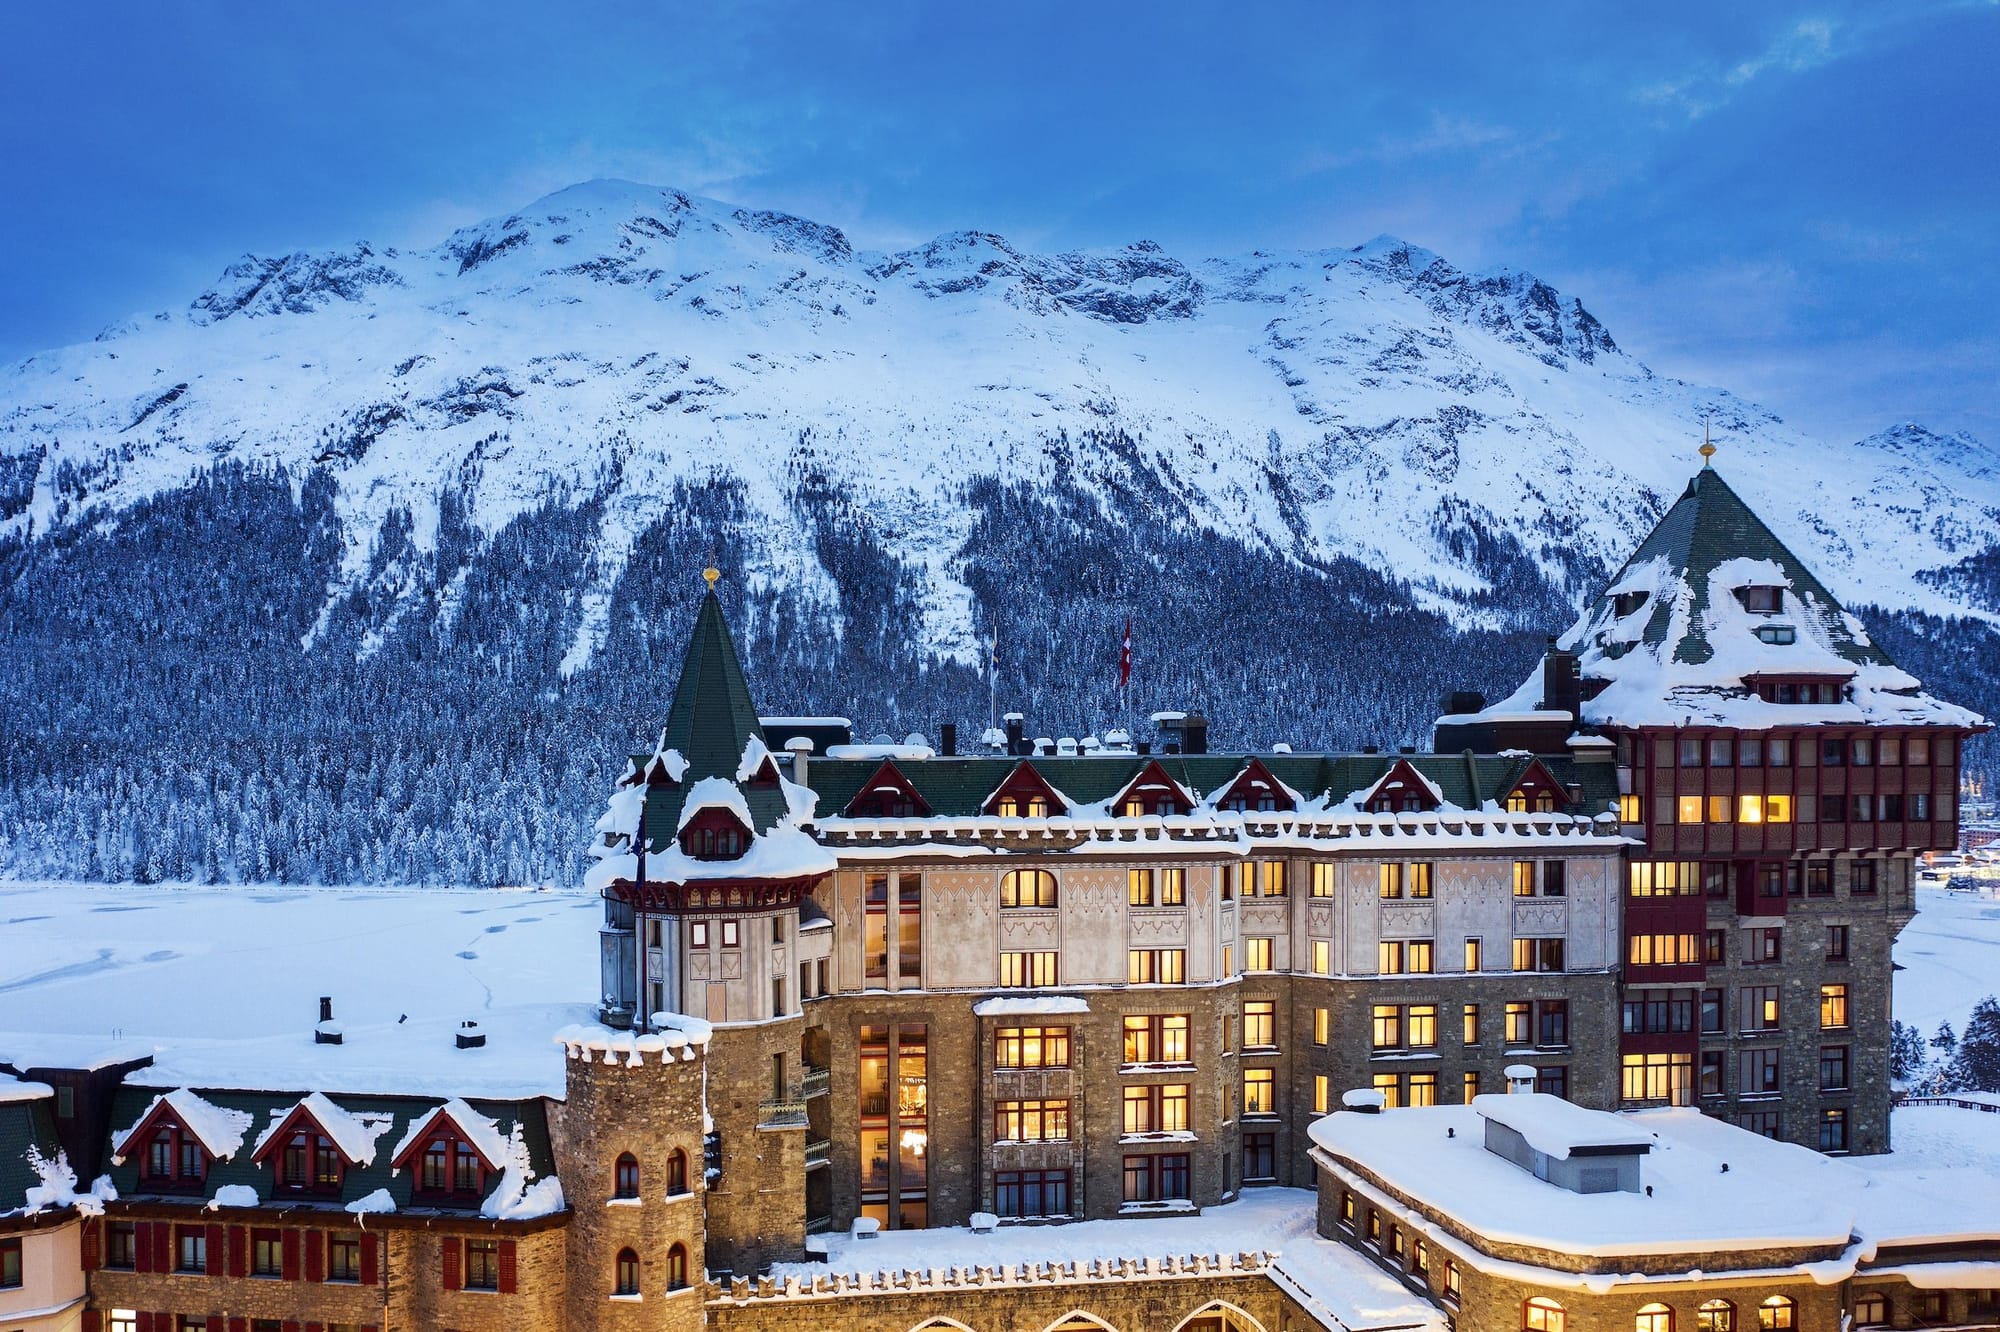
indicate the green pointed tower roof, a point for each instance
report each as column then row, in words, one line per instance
column 1709, row 524
column 712, row 716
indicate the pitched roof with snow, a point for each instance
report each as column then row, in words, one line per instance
column 370, row 1131
column 1668, row 642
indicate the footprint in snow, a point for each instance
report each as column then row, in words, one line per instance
column 469, row 955
column 23, row 920
column 496, row 929
column 102, row 909
column 160, row 955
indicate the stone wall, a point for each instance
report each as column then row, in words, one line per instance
column 648, row 1106
column 1153, row 1296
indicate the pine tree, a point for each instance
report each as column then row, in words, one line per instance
column 1976, row 1065
column 1906, row 1052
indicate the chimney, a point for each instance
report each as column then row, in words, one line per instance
column 948, row 739
column 1194, row 734
column 1520, row 1078
column 328, row 1031
column 1017, row 731
column 1562, row 688
column 799, row 748
column 469, row 1036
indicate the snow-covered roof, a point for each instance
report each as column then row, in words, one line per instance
column 781, row 853
column 1559, row 1128
column 13, row 1090
column 353, row 1134
column 219, row 1130
column 875, row 751
column 482, row 1134
column 1671, row 643
column 714, row 793
column 677, row 1037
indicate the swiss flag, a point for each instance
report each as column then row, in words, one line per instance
column 1125, row 656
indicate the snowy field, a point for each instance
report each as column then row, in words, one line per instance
column 1950, row 959
column 229, row 979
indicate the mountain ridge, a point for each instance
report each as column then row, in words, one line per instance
column 478, row 478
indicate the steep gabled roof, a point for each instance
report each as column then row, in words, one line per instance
column 1668, row 643
column 1249, row 783
column 711, row 715
column 889, row 778
column 354, row 1135
column 1151, row 778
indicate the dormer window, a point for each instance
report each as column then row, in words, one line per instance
column 714, row 834
column 1017, row 807
column 1625, row 603
column 1760, row 600
column 175, row 1159
column 451, row 1170
column 1777, row 634
column 309, row 1163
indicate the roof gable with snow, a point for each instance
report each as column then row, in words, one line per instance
column 353, row 1135
column 219, row 1130
column 1152, row 791
column 888, row 794
column 1708, row 607
column 1251, row 788
column 1402, row 788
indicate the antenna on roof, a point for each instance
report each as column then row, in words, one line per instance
column 1707, row 449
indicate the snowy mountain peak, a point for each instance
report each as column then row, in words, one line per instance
column 1459, row 431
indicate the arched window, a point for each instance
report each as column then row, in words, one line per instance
column 628, row 1273
column 1517, row 802
column 1027, row 888
column 1654, row 1318
column 1871, row 1311
column 1716, row 1316
column 677, row 1268
column 1545, row 802
column 1777, row 1314
column 626, row 1182
column 1542, row 1315
column 677, row 1172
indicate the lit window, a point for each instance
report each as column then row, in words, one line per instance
column 1654, row 1318
column 1027, row 888
column 1542, row 1315
column 1257, row 953
column 1260, row 1095
column 1690, row 809
column 1832, row 1007
column 1715, row 1316
column 1777, row 1314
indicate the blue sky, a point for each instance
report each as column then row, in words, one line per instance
column 1798, row 201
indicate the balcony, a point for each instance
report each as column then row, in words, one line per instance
column 819, row 1151
column 817, row 1082
column 781, row 1114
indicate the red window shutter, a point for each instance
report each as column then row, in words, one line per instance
column 239, row 1251
column 291, row 1325
column 214, row 1255
column 506, row 1267
column 315, row 1242
column 239, row 1325
column 215, row 1323
column 454, row 1253
column 93, row 1321
column 163, row 1255
column 315, row 1327
column 368, row 1273
column 91, row 1242
column 291, row 1255
column 145, row 1322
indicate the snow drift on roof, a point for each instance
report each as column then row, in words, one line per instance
column 1555, row 1127
column 219, row 1130
column 353, row 1134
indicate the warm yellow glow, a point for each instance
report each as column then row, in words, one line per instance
column 1777, row 809
column 1690, row 810
column 1749, row 809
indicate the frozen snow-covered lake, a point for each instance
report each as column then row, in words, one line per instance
column 1950, row 955
column 87, row 967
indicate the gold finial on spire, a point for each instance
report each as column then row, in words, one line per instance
column 711, row 574
column 1707, row 449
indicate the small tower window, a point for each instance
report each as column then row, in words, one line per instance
column 1761, row 600
column 677, row 1268
column 627, row 1176
column 628, row 1272
column 677, row 1173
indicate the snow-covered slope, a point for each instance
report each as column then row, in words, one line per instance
column 1374, row 403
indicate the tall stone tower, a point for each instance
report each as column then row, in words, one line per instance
column 628, row 1144
column 703, row 859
